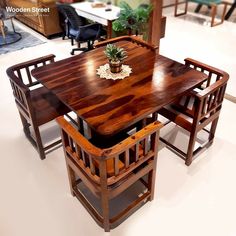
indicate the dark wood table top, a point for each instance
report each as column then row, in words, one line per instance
column 110, row 106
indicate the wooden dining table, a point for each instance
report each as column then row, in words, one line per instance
column 110, row 106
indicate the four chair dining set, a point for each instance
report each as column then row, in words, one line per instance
column 108, row 166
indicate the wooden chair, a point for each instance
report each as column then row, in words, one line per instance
column 107, row 172
column 213, row 4
column 36, row 106
column 200, row 107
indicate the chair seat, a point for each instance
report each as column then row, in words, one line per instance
column 47, row 106
column 185, row 105
column 177, row 117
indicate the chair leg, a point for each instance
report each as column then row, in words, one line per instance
column 104, row 196
column 224, row 12
column 2, row 26
column 213, row 129
column 176, row 8
column 213, row 14
column 152, row 179
column 191, row 144
column 105, row 211
column 39, row 142
column 230, row 11
column 25, row 125
column 72, row 179
column 72, row 42
column 198, row 8
column 26, row 128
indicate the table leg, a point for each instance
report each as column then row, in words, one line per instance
column 13, row 27
column 109, row 29
column 230, row 11
column 3, row 30
column 198, row 8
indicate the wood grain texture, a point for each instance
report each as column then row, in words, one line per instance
column 198, row 109
column 108, row 172
column 110, row 106
column 36, row 106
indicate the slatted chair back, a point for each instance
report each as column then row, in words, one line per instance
column 22, row 82
column 199, row 107
column 207, row 99
column 133, row 39
column 35, row 103
column 117, row 161
column 110, row 171
column 22, row 71
column 216, row 83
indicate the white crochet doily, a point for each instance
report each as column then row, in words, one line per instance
column 105, row 72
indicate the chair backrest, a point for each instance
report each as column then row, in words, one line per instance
column 132, row 39
column 89, row 32
column 208, row 97
column 211, row 92
column 22, row 81
column 114, row 163
column 70, row 14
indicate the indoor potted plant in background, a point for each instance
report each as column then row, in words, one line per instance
column 116, row 56
column 133, row 21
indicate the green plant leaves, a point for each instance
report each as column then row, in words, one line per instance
column 132, row 19
column 115, row 53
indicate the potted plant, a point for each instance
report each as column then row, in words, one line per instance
column 116, row 56
column 132, row 20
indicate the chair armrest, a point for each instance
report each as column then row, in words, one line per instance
column 190, row 61
column 33, row 62
column 14, row 79
column 26, row 65
column 98, row 153
column 211, row 89
column 79, row 139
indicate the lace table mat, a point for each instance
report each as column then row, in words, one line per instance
column 105, row 72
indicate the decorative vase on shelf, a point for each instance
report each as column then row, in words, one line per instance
column 116, row 56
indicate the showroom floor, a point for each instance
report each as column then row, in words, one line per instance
column 196, row 200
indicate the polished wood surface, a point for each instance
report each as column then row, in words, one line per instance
column 108, row 172
column 197, row 109
column 110, row 106
column 37, row 106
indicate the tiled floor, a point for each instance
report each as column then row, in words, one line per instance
column 196, row 200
